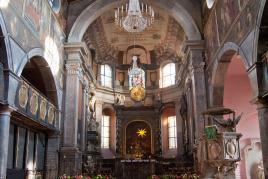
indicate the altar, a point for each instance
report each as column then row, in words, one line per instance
column 138, row 168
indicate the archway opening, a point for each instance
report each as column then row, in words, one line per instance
column 37, row 72
column 237, row 95
column 138, row 140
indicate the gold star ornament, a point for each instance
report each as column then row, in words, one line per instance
column 141, row 132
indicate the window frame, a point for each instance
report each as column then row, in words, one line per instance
column 106, row 80
column 173, row 138
column 104, row 145
column 168, row 77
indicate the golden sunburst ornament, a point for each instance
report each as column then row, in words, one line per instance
column 141, row 132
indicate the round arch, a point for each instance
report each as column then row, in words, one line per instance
column 220, row 69
column 93, row 11
column 37, row 57
column 5, row 52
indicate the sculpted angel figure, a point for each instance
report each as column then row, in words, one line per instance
column 229, row 124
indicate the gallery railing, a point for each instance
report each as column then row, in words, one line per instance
column 35, row 105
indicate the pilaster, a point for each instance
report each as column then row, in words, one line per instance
column 194, row 53
column 5, row 112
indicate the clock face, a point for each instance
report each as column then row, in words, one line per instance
column 137, row 93
column 55, row 5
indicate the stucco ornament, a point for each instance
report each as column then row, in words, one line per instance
column 51, row 114
column 34, row 103
column 23, row 95
column 43, row 109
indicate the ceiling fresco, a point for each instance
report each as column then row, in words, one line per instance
column 164, row 38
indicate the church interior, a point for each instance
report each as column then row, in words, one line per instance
column 133, row 89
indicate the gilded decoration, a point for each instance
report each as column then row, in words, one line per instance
column 34, row 103
column 23, row 95
column 137, row 93
column 51, row 114
column 43, row 109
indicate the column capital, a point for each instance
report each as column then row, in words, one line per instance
column 6, row 110
column 190, row 46
column 197, row 67
column 73, row 68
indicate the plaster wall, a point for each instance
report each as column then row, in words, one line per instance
column 237, row 96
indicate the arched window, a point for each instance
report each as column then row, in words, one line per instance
column 106, row 76
column 168, row 75
column 105, row 132
column 172, row 132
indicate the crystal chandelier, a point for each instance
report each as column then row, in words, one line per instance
column 134, row 17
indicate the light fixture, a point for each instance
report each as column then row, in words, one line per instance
column 134, row 17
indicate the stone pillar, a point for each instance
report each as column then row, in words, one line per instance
column 5, row 112
column 180, row 146
column 84, row 117
column 119, row 146
column 158, row 133
column 70, row 152
column 263, row 123
column 194, row 54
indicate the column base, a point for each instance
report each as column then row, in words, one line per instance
column 70, row 161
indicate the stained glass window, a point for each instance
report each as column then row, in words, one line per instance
column 105, row 132
column 106, row 76
column 168, row 75
column 172, row 132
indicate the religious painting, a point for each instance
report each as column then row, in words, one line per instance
column 245, row 23
column 32, row 13
column 227, row 11
column 45, row 20
column 138, row 140
column 211, row 34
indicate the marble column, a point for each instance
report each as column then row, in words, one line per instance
column 158, row 133
column 119, row 132
column 263, row 123
column 180, row 146
column 5, row 112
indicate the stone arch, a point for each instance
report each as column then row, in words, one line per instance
column 220, row 67
column 36, row 56
column 5, row 50
column 93, row 11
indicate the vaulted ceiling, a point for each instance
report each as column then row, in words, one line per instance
column 163, row 39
